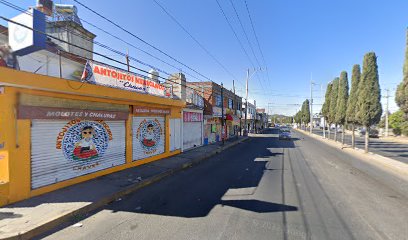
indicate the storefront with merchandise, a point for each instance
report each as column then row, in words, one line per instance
column 65, row 132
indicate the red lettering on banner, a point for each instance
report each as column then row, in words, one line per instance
column 109, row 72
column 102, row 71
column 96, row 70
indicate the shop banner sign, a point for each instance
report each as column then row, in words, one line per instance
column 192, row 117
column 141, row 110
column 32, row 112
column 109, row 76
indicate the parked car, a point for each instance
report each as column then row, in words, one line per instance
column 284, row 133
column 373, row 133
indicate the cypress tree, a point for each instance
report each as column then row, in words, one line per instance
column 369, row 102
column 342, row 99
column 401, row 96
column 333, row 105
column 352, row 102
column 306, row 111
column 326, row 106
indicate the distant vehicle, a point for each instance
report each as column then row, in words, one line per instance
column 284, row 133
column 373, row 133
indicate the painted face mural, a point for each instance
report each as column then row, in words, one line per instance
column 85, row 141
column 149, row 133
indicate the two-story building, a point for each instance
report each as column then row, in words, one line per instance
column 250, row 118
column 215, row 105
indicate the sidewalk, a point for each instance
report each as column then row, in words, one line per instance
column 31, row 217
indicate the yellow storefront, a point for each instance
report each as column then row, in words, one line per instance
column 55, row 132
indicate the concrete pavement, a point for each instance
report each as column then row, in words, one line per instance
column 263, row 189
column 26, row 219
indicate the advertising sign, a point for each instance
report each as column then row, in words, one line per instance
column 141, row 110
column 109, row 76
column 32, row 112
column 23, row 40
column 192, row 117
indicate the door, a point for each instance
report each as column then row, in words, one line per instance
column 175, row 134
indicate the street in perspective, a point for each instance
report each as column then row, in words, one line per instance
column 221, row 119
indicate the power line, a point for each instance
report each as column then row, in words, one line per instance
column 102, row 45
column 237, row 38
column 93, row 52
column 194, row 39
column 86, row 38
column 140, row 39
column 243, row 29
column 257, row 41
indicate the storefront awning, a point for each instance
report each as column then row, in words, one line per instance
column 234, row 119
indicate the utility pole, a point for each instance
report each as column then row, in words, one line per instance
column 311, row 105
column 235, row 103
column 222, row 114
column 127, row 60
column 386, row 112
column 246, row 105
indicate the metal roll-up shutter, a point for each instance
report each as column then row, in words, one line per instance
column 192, row 134
column 62, row 150
column 148, row 136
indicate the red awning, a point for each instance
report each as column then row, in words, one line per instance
column 228, row 117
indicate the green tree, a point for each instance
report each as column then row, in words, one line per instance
column 401, row 96
column 341, row 106
column 306, row 111
column 326, row 106
column 397, row 122
column 352, row 102
column 369, row 102
column 333, row 105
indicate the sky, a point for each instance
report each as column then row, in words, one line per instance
column 299, row 40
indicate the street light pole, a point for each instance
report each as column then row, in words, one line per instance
column 246, row 105
column 386, row 113
column 311, row 106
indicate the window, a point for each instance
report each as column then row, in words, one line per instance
column 230, row 103
column 218, row 101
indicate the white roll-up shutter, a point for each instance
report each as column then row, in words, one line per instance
column 148, row 136
column 175, row 134
column 192, row 134
column 62, row 150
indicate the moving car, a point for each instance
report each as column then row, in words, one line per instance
column 284, row 133
column 373, row 133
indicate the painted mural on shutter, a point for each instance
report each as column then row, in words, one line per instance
column 148, row 136
column 62, row 149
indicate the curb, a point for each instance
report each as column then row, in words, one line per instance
column 126, row 191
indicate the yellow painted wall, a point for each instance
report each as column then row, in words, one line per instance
column 15, row 165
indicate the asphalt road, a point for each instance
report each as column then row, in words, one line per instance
column 260, row 189
column 394, row 150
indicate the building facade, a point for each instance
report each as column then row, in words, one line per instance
column 215, row 105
